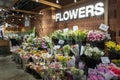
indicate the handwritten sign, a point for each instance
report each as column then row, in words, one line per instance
column 61, row 41
column 75, row 28
column 104, row 27
column 105, row 60
column 65, row 30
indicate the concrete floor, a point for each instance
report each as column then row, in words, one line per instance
column 9, row 70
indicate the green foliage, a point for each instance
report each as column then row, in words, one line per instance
column 66, row 49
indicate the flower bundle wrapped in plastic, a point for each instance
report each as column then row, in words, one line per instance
column 96, row 36
column 66, row 49
column 112, row 46
column 115, row 69
column 101, row 73
column 58, row 34
column 79, row 36
column 93, row 52
column 77, row 73
column 93, row 75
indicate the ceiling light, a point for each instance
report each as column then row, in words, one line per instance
column 4, row 18
column 22, row 15
column 0, row 9
column 13, row 8
column 36, row 0
column 57, row 1
column 13, row 14
column 30, row 16
column 75, row 1
column 19, row 19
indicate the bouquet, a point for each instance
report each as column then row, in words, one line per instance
column 66, row 49
column 112, row 47
column 96, row 36
column 57, row 35
column 93, row 52
column 79, row 36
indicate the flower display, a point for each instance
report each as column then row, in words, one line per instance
column 115, row 69
column 117, row 48
column 116, row 61
column 58, row 34
column 96, row 36
column 102, row 72
column 93, row 52
column 76, row 72
column 112, row 47
column 79, row 36
column 62, row 58
column 110, row 44
column 66, row 49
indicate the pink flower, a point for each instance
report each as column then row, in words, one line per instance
column 96, row 36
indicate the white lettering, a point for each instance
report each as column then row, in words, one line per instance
column 57, row 16
column 66, row 15
column 82, row 12
column 99, row 9
column 73, row 14
column 89, row 10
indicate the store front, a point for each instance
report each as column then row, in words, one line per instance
column 65, row 40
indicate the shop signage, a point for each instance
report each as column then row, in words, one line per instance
column 82, row 12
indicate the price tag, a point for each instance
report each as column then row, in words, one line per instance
column 65, row 30
column 61, row 41
column 75, row 28
column 105, row 60
column 82, row 50
column 104, row 27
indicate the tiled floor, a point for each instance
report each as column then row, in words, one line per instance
column 9, row 70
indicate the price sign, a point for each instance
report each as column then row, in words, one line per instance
column 104, row 27
column 75, row 28
column 105, row 60
column 65, row 30
column 61, row 41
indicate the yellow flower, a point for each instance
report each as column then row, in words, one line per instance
column 60, row 58
column 114, row 61
column 117, row 48
column 110, row 44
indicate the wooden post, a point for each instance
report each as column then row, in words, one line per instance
column 106, row 19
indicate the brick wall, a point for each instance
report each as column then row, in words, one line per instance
column 46, row 24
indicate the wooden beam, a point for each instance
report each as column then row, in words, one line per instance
column 50, row 8
column 23, row 11
column 73, row 4
column 49, row 3
column 18, row 10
